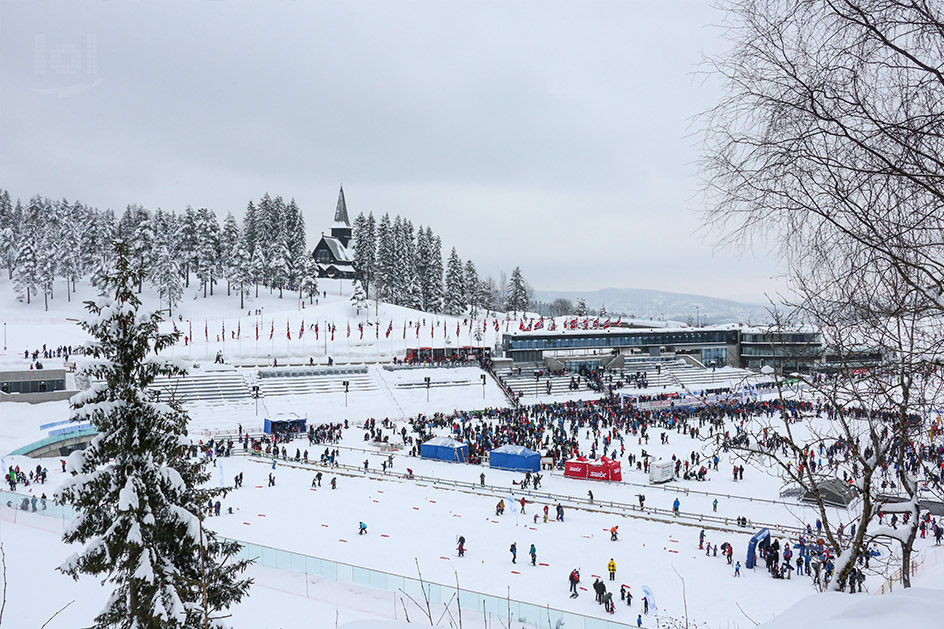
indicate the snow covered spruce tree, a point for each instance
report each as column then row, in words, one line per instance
column 139, row 496
column 519, row 293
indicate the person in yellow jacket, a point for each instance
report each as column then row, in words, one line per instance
column 612, row 568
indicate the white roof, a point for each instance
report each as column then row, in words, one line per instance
column 511, row 449
column 444, row 441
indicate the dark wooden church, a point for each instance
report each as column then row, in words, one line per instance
column 333, row 254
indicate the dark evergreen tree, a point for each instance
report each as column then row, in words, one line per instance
column 519, row 293
column 454, row 299
column 472, row 288
column 386, row 261
column 365, row 250
column 140, row 497
column 229, row 249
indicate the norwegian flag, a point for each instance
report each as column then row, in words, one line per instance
column 175, row 327
column 596, row 323
column 239, row 329
column 377, row 330
column 497, row 325
column 457, row 328
column 332, row 332
column 389, row 329
column 552, row 326
column 348, row 329
column 224, row 331
column 360, row 327
column 206, row 330
column 288, row 330
column 485, row 326
column 272, row 330
column 417, row 329
column 539, row 324
column 190, row 327
column 316, row 331
column 404, row 330
column 521, row 325
column 606, row 324
column 301, row 330
column 620, row 318
column 257, row 330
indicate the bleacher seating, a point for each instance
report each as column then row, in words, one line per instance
column 659, row 374
column 212, row 386
column 314, row 380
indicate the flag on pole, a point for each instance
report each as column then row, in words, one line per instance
column 348, row 328
column 257, row 330
column 404, row 330
column 417, row 329
column 432, row 329
column 190, row 327
column 332, row 332
column 360, row 326
column 539, row 325
column 272, row 330
column 606, row 324
column 206, row 330
column 224, row 331
column 239, row 329
column 389, row 329
column 316, row 331
column 301, row 330
column 457, row 328
column 288, row 330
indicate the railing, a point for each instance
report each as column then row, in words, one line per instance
column 925, row 559
column 59, row 438
column 606, row 506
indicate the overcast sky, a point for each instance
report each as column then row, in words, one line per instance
column 550, row 135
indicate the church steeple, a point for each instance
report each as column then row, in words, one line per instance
column 340, row 214
column 341, row 228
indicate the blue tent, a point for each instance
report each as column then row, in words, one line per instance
column 759, row 536
column 515, row 458
column 285, row 422
column 445, row 449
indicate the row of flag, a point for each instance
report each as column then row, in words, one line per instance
column 524, row 325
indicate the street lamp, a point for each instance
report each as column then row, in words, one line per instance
column 255, row 394
column 483, row 386
column 346, row 384
column 696, row 316
column 427, row 388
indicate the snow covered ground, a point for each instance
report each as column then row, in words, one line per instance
column 412, row 522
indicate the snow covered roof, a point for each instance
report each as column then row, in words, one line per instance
column 444, row 441
column 512, row 449
column 338, row 251
column 340, row 214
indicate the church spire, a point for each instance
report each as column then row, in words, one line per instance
column 340, row 214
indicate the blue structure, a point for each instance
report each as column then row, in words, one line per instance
column 445, row 449
column 285, row 423
column 762, row 535
column 514, row 458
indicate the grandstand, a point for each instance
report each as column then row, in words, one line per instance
column 210, row 386
column 660, row 374
column 314, row 380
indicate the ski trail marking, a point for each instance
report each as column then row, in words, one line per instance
column 262, row 515
column 325, row 525
column 247, row 523
column 384, row 535
column 515, row 572
column 416, row 508
column 544, row 564
column 343, row 540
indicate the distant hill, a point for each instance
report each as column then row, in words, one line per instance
column 655, row 304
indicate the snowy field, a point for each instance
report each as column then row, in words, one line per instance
column 414, row 522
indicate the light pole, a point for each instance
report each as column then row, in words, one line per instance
column 255, row 394
column 696, row 316
column 483, row 386
column 4, row 336
column 346, row 384
column 427, row 388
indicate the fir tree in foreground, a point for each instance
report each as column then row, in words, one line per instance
column 140, row 497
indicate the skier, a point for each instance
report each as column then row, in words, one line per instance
column 675, row 507
column 613, row 533
column 362, row 529
column 461, row 546
column 737, row 569
column 574, row 580
column 523, row 503
column 639, row 620
column 545, row 512
column 534, row 555
column 714, row 505
column 612, row 568
column 514, row 552
column 482, row 479
column 334, row 482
